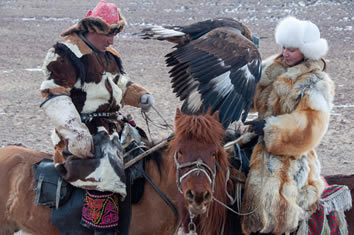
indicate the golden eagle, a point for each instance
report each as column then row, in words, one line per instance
column 215, row 64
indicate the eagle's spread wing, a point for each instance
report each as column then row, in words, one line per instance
column 219, row 70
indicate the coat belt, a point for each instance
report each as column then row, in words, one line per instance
column 85, row 117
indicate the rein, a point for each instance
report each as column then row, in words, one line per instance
column 235, row 144
column 147, row 152
column 142, row 171
column 148, row 120
column 162, row 195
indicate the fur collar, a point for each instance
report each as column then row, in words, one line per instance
column 275, row 66
column 307, row 66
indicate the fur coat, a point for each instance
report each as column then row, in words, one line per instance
column 284, row 183
column 80, row 80
column 95, row 81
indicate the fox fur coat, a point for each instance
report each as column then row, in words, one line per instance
column 284, row 184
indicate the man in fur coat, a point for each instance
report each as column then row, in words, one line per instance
column 293, row 100
column 84, row 88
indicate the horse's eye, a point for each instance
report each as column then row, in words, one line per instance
column 214, row 154
column 180, row 152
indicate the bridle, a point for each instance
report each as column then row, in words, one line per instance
column 198, row 166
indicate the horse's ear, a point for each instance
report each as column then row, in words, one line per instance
column 216, row 115
column 178, row 113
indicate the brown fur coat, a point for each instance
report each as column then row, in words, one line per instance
column 95, row 82
column 284, row 183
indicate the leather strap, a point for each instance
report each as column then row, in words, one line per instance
column 163, row 196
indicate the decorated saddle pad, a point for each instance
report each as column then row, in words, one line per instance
column 329, row 217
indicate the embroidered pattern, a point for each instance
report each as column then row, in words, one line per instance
column 319, row 223
column 100, row 211
column 322, row 223
column 331, row 189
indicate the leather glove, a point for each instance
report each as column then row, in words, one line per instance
column 256, row 126
column 146, row 101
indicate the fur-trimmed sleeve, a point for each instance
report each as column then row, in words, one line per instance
column 301, row 130
column 60, row 74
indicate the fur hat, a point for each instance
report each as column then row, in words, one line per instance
column 304, row 35
column 104, row 18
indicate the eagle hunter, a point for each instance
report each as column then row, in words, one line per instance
column 215, row 64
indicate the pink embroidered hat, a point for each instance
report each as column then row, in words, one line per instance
column 104, row 18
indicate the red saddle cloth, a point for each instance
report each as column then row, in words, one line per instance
column 100, row 211
column 329, row 217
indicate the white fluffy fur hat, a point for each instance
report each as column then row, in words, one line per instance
column 304, row 35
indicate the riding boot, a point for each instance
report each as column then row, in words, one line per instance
column 125, row 208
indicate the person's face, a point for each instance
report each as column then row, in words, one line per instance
column 100, row 41
column 292, row 56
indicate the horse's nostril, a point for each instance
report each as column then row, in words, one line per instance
column 207, row 196
column 190, row 195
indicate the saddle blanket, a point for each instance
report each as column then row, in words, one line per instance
column 329, row 218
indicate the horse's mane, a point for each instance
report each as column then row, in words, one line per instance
column 205, row 129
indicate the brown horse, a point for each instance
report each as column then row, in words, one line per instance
column 151, row 215
column 18, row 212
column 201, row 169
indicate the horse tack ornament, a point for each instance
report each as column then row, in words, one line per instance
column 197, row 167
column 192, row 228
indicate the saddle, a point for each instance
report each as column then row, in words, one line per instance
column 66, row 200
column 50, row 189
column 53, row 191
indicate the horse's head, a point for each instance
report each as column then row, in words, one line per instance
column 198, row 153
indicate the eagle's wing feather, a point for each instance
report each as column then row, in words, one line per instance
column 219, row 71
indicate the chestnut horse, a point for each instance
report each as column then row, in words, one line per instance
column 199, row 135
column 201, row 170
column 18, row 212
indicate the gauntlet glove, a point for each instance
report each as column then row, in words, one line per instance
column 256, row 126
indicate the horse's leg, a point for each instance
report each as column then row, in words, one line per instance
column 17, row 209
